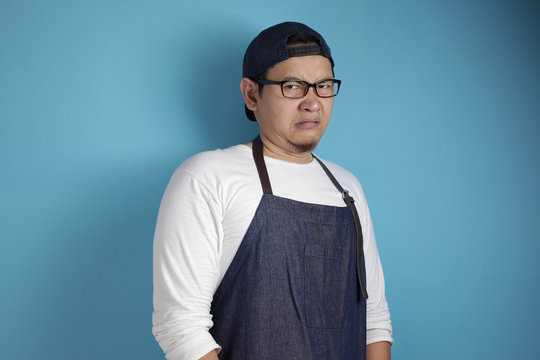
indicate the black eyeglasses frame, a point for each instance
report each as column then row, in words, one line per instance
column 308, row 85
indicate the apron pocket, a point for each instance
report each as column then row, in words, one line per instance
column 325, row 286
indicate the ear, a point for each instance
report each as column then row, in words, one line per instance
column 250, row 92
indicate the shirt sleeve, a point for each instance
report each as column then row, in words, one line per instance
column 186, row 268
column 378, row 323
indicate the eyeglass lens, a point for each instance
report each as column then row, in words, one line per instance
column 297, row 89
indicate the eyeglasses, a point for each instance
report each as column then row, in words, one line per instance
column 297, row 89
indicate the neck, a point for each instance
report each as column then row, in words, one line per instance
column 294, row 157
column 276, row 152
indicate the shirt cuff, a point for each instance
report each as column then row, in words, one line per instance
column 194, row 349
column 377, row 335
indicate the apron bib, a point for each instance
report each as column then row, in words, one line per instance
column 292, row 290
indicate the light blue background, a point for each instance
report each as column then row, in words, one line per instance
column 438, row 117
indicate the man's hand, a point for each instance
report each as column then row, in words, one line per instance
column 378, row 351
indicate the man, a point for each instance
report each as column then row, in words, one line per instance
column 256, row 254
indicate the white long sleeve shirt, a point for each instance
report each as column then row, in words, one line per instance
column 204, row 215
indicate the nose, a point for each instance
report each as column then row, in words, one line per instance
column 311, row 102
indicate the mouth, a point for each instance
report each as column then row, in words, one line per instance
column 307, row 124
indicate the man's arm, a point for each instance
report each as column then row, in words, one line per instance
column 378, row 324
column 212, row 355
column 186, row 268
column 377, row 351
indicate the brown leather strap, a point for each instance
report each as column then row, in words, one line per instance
column 360, row 269
column 261, row 166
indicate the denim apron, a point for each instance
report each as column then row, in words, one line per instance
column 292, row 291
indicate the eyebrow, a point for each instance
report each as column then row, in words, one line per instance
column 294, row 78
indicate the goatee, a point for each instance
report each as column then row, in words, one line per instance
column 303, row 148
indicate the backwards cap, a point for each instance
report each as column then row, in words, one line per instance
column 270, row 48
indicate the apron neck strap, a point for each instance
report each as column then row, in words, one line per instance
column 261, row 165
column 349, row 200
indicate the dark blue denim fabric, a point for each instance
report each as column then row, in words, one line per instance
column 291, row 291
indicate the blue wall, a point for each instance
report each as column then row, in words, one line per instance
column 438, row 117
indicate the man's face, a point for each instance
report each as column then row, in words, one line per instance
column 294, row 125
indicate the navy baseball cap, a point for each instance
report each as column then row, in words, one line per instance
column 270, row 48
